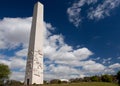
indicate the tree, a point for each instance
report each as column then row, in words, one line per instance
column 95, row 78
column 87, row 79
column 118, row 77
column 55, row 81
column 14, row 83
column 106, row 78
column 4, row 72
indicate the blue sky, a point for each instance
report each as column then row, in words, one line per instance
column 82, row 37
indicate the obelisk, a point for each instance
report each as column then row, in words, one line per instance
column 34, row 66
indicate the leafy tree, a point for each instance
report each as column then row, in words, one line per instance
column 114, row 78
column 87, row 79
column 95, row 78
column 55, row 81
column 14, row 83
column 45, row 82
column 106, row 78
column 118, row 77
column 4, row 72
column 76, row 80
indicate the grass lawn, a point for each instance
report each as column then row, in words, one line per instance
column 84, row 84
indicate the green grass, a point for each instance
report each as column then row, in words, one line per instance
column 84, row 84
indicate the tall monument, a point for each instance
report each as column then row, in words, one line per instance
column 34, row 66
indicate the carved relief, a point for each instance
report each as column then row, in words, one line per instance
column 37, row 62
column 29, row 62
column 38, row 53
column 34, row 57
column 30, row 53
column 36, row 72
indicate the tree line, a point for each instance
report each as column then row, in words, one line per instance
column 5, row 73
column 102, row 78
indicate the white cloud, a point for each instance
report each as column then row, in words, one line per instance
column 18, row 76
column 87, row 66
column 60, row 56
column 112, row 69
column 74, row 12
column 93, row 67
column 56, row 49
column 17, row 63
column 14, row 62
column 2, row 56
column 106, row 61
column 22, row 53
column 14, row 32
column 4, row 61
column 57, row 72
column 98, row 58
column 96, row 10
column 113, row 66
column 104, row 9
column 82, row 53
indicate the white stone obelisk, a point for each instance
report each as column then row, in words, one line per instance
column 34, row 66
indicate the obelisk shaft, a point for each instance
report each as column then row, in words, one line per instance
column 34, row 67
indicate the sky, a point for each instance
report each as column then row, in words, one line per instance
column 81, row 38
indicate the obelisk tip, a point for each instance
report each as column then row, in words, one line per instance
column 38, row 3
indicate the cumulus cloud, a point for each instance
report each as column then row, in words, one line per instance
column 56, row 45
column 14, row 32
column 93, row 67
column 111, row 69
column 57, row 54
column 17, row 76
column 17, row 63
column 114, row 66
column 82, row 53
column 57, row 72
